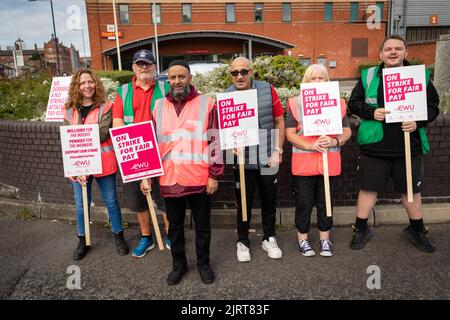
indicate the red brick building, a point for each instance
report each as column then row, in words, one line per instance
column 338, row 33
column 69, row 57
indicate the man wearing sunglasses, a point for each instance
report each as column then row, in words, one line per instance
column 261, row 162
column 133, row 104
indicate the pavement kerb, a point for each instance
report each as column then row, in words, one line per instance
column 222, row 218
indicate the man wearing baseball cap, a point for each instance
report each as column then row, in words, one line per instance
column 134, row 104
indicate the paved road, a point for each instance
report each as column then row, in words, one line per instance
column 35, row 256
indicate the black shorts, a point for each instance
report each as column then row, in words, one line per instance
column 137, row 201
column 374, row 173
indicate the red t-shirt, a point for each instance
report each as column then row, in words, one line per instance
column 277, row 107
column 141, row 103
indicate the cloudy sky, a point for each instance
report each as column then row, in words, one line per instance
column 32, row 22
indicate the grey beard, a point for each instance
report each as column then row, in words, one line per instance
column 180, row 96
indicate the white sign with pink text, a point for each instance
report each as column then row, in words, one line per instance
column 81, row 152
column 238, row 119
column 405, row 93
column 57, row 99
column 321, row 108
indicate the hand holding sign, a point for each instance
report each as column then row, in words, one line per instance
column 405, row 96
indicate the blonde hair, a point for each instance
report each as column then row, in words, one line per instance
column 75, row 99
column 312, row 69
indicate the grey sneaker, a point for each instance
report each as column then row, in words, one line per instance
column 326, row 248
column 305, row 248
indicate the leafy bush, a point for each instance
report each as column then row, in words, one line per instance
column 444, row 103
column 24, row 98
column 280, row 71
column 122, row 77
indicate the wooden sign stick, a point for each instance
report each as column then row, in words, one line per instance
column 153, row 216
column 87, row 233
column 242, row 184
column 326, row 180
column 409, row 187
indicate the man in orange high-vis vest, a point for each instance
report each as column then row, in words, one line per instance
column 185, row 121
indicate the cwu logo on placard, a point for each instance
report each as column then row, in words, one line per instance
column 82, row 163
column 322, row 122
column 242, row 133
column 405, row 108
column 140, row 166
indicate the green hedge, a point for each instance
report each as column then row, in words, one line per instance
column 24, row 98
column 121, row 76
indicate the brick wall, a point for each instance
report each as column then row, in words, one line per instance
column 30, row 160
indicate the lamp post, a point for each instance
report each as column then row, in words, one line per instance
column 54, row 33
column 116, row 29
column 84, row 49
column 156, row 36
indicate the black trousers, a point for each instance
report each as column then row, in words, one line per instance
column 200, row 205
column 309, row 192
column 267, row 185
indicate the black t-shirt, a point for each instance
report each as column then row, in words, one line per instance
column 393, row 144
column 84, row 110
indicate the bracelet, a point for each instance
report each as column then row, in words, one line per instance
column 337, row 140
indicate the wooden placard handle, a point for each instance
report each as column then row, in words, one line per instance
column 153, row 216
column 409, row 187
column 242, row 184
column 326, row 184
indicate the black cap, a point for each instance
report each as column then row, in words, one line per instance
column 144, row 55
column 180, row 63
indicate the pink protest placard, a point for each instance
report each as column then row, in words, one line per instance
column 405, row 93
column 57, row 98
column 321, row 108
column 137, row 151
column 238, row 119
column 80, row 147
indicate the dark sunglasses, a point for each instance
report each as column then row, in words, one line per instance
column 235, row 73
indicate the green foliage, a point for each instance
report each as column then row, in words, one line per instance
column 119, row 76
column 24, row 98
column 283, row 72
column 444, row 103
column 280, row 71
column 26, row 214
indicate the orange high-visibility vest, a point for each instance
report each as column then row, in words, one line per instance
column 109, row 163
column 183, row 141
column 307, row 162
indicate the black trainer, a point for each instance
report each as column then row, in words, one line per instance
column 360, row 238
column 176, row 275
column 121, row 245
column 206, row 274
column 81, row 250
column 419, row 239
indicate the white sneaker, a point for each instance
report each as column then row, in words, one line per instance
column 272, row 249
column 243, row 253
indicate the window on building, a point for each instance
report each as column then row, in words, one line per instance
column 259, row 12
column 360, row 47
column 187, row 12
column 287, row 16
column 380, row 5
column 354, row 11
column 157, row 14
column 231, row 14
column 328, row 11
column 305, row 62
column 124, row 14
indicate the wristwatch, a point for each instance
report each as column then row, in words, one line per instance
column 279, row 150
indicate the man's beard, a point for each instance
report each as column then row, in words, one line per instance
column 180, row 95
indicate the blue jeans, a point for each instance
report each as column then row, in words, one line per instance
column 107, row 186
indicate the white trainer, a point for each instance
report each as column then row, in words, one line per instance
column 243, row 253
column 272, row 249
